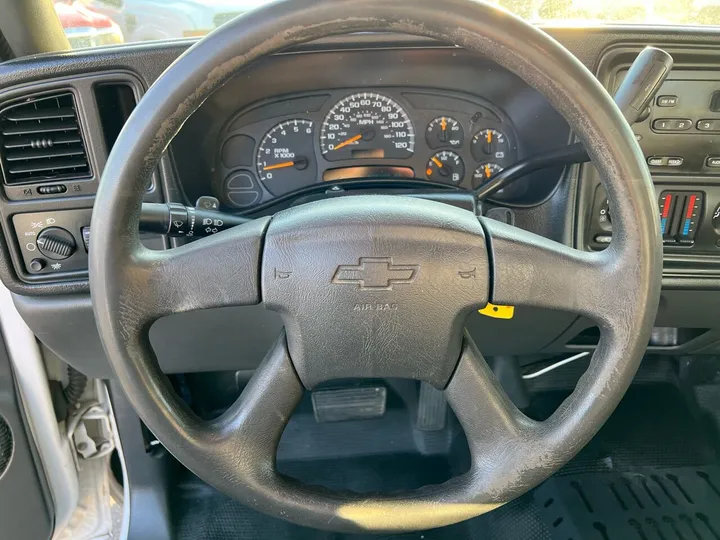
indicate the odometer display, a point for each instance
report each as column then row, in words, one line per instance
column 367, row 125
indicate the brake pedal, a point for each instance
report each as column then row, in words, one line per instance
column 432, row 408
column 349, row 403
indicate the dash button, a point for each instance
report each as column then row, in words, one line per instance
column 667, row 101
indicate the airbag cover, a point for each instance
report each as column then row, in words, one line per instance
column 375, row 286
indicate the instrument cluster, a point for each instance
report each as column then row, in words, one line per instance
column 282, row 145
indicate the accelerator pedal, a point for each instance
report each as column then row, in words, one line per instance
column 432, row 408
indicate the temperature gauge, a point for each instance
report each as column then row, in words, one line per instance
column 444, row 131
column 446, row 166
column 489, row 144
column 484, row 173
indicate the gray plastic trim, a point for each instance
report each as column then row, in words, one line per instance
column 34, row 393
column 103, row 392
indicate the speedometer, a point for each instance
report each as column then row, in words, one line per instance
column 367, row 125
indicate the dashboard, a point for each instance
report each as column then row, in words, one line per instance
column 370, row 113
column 346, row 115
column 291, row 142
column 369, row 117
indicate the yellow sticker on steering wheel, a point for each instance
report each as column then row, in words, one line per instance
column 498, row 312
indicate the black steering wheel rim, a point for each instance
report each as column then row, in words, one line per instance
column 131, row 286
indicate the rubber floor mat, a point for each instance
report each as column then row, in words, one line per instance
column 647, row 504
column 206, row 514
column 653, row 426
column 370, row 475
column 654, row 432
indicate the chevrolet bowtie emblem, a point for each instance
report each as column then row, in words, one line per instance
column 377, row 273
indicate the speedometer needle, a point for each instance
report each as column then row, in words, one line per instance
column 349, row 141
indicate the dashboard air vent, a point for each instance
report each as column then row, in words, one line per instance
column 41, row 140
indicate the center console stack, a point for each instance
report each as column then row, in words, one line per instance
column 679, row 134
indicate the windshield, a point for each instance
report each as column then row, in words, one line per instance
column 101, row 22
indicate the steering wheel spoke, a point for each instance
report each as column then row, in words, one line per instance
column 493, row 424
column 250, row 430
column 221, row 270
column 530, row 270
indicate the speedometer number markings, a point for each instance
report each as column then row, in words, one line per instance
column 367, row 125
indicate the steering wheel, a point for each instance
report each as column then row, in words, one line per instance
column 375, row 286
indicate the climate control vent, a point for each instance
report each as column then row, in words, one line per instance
column 41, row 140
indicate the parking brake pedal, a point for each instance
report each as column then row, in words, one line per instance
column 349, row 403
column 432, row 408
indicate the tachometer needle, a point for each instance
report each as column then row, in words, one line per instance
column 279, row 165
column 349, row 141
column 300, row 163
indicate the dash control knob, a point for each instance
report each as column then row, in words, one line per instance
column 56, row 243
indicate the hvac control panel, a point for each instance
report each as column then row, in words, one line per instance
column 689, row 219
column 680, row 213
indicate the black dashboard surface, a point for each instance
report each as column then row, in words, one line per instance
column 428, row 81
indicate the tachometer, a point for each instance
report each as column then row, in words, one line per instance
column 367, row 125
column 286, row 159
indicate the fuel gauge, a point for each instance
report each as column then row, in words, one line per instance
column 444, row 131
column 446, row 166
